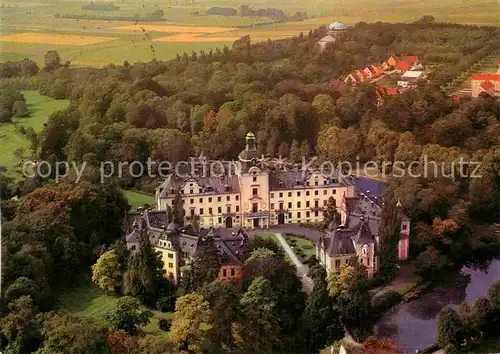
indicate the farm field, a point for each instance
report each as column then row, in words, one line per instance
column 11, row 140
column 30, row 29
column 87, row 300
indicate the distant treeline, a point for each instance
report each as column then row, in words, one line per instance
column 222, row 11
column 156, row 15
column 95, row 6
column 245, row 10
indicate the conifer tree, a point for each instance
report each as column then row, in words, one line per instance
column 144, row 276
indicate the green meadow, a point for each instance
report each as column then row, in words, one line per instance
column 10, row 137
column 137, row 199
column 87, row 300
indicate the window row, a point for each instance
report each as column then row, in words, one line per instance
column 308, row 193
column 299, row 204
column 211, row 210
column 219, row 199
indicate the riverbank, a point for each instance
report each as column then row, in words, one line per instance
column 412, row 325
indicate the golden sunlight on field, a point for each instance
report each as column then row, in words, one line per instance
column 50, row 38
column 21, row 4
column 187, row 37
column 176, row 29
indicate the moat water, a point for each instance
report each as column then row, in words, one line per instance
column 412, row 326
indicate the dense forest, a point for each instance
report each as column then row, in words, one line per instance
column 287, row 92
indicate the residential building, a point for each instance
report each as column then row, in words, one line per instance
column 411, row 78
column 179, row 245
column 485, row 84
column 359, row 235
column 256, row 196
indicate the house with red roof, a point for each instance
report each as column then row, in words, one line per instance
column 404, row 63
column 485, row 83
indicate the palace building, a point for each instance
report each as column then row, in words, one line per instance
column 256, row 196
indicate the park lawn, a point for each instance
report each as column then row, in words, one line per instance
column 136, row 199
column 87, row 300
column 305, row 245
column 10, row 138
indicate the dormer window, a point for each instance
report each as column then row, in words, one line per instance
column 172, row 191
column 280, row 184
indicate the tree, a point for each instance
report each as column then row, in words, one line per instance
column 351, row 277
column 337, row 145
column 106, row 272
column 24, row 286
column 257, row 242
column 52, row 60
column 349, row 291
column 20, row 109
column 144, row 276
column 63, row 333
column 128, row 315
column 258, row 332
column 120, row 342
column 152, row 344
column 261, row 253
column 203, row 269
column 178, row 209
column 390, row 234
column 449, row 327
column 373, row 345
column 330, row 213
column 192, row 322
column 20, row 326
column 224, row 303
column 483, row 315
column 319, row 313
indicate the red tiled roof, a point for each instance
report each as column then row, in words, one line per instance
column 488, row 85
column 484, row 77
column 391, row 91
column 403, row 65
column 411, row 59
column 394, row 57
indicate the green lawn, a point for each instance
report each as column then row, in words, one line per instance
column 11, row 140
column 137, row 199
column 306, row 246
column 88, row 300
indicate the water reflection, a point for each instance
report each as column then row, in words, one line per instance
column 413, row 325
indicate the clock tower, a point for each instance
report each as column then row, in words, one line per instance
column 254, row 187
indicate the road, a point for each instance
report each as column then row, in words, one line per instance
column 302, row 269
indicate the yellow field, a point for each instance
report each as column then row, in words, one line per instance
column 21, row 4
column 187, row 37
column 175, row 29
column 50, row 38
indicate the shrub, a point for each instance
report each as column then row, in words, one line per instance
column 312, row 260
column 164, row 324
column 166, row 304
column 385, row 301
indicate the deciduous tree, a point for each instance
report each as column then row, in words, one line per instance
column 192, row 322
